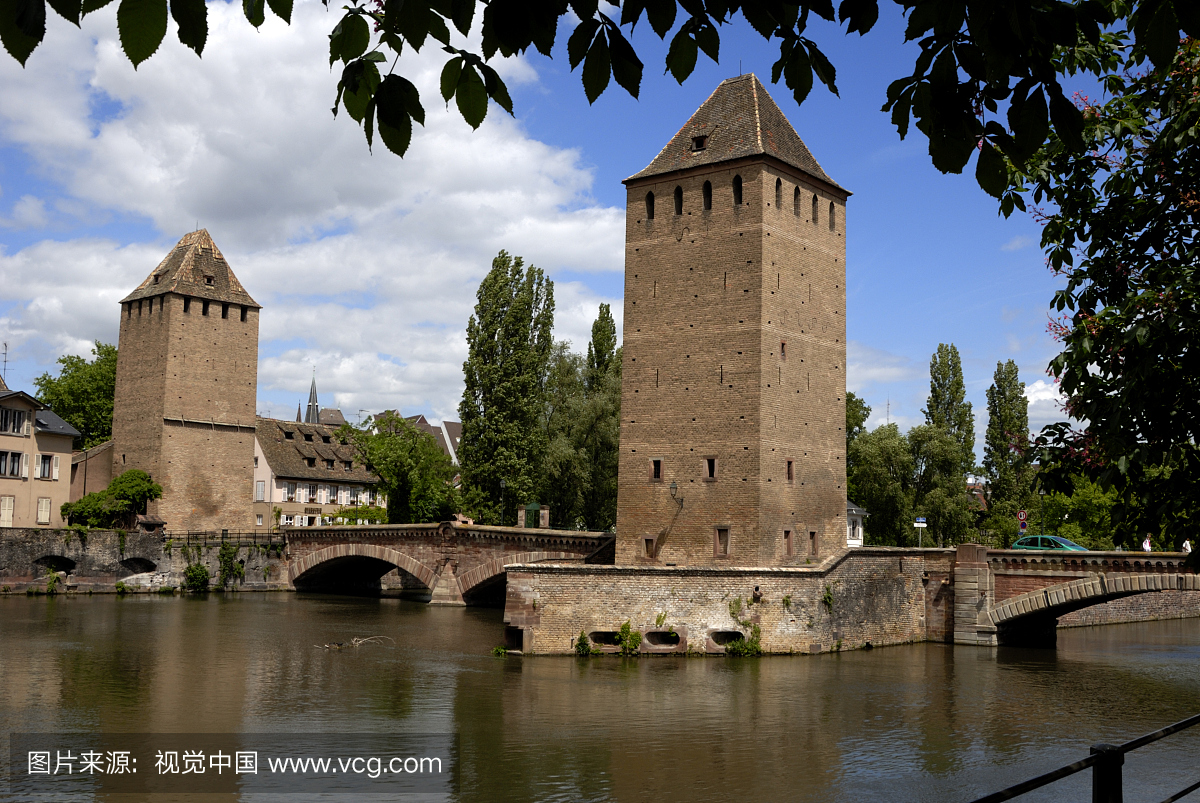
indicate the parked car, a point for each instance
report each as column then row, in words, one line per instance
column 1047, row 542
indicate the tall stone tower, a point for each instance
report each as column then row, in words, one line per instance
column 734, row 376
column 187, row 376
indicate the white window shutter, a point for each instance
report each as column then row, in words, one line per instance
column 37, row 466
column 24, row 466
column 55, row 477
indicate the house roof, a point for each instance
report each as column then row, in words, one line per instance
column 20, row 395
column 453, row 429
column 854, row 510
column 739, row 119
column 90, row 454
column 50, row 423
column 195, row 267
column 332, row 416
column 288, row 457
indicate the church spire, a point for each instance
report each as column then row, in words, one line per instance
column 313, row 414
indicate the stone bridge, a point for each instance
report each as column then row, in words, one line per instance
column 450, row 563
column 1015, row 597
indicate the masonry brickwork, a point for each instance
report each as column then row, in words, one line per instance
column 734, row 346
column 187, row 372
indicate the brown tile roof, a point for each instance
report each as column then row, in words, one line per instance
column 187, row 269
column 288, row 457
column 739, row 119
column 332, row 416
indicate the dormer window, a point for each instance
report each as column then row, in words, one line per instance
column 700, row 143
column 311, row 462
column 208, row 280
column 326, row 439
column 157, row 276
column 308, row 437
column 287, row 435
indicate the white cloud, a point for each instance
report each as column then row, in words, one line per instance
column 1045, row 404
column 27, row 213
column 1018, row 242
column 366, row 264
column 866, row 365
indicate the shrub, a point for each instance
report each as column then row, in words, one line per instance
column 500, row 651
column 195, row 577
column 122, row 589
column 583, row 646
column 629, row 639
column 227, row 564
column 746, row 647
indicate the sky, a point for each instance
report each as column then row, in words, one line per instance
column 366, row 264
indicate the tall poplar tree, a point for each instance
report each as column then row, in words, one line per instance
column 857, row 413
column 947, row 406
column 1007, row 462
column 509, row 347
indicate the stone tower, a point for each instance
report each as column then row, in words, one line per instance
column 187, row 376
column 734, row 376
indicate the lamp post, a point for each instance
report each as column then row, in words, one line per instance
column 1042, row 509
column 503, row 485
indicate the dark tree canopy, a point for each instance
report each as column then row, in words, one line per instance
column 118, row 505
column 82, row 393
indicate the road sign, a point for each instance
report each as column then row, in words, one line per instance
column 1020, row 515
column 920, row 524
column 1024, row 524
column 920, row 518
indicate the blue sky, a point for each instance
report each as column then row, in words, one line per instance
column 366, row 265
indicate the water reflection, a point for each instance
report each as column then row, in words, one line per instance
column 924, row 722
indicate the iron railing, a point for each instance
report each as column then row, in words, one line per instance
column 1106, row 761
column 246, row 538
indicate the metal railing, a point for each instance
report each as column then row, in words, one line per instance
column 246, row 538
column 1106, row 761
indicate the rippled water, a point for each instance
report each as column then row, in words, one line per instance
column 922, row 722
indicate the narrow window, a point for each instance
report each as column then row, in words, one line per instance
column 139, row 307
column 649, row 206
column 796, row 202
column 791, row 472
column 721, row 541
column 710, row 464
column 43, row 510
column 649, row 547
column 129, row 310
column 812, row 543
column 187, row 305
column 679, row 200
column 258, row 520
column 204, row 307
column 243, row 314
column 291, row 492
column 787, row 542
column 832, row 218
column 655, row 290
column 707, row 196
column 656, row 469
column 778, row 193
column 814, row 211
column 737, row 190
column 157, row 276
column 225, row 311
column 783, row 349
column 150, row 309
column 260, row 491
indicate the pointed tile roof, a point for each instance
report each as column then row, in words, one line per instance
column 739, row 119
column 195, row 267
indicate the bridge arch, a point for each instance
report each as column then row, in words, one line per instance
column 308, row 570
column 474, row 580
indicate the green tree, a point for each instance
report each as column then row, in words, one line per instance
column 947, row 406
column 1007, row 455
column 82, row 393
column 504, row 400
column 939, row 485
column 118, row 505
column 883, row 475
column 857, row 413
column 1084, row 515
column 414, row 472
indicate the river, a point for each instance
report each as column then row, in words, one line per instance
column 923, row 722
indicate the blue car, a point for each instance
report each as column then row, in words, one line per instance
column 1047, row 542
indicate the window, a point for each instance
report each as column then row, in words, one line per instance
column 43, row 510
column 721, row 542
column 325, row 439
column 208, row 280
column 347, row 464
column 707, row 196
column 814, row 210
column 290, row 492
column 308, row 437
column 787, row 540
column 737, row 190
column 656, row 469
column 832, row 216
column 15, row 460
column 312, row 493
column 679, row 200
column 6, row 510
column 700, row 143
column 139, row 308
column 796, row 202
column 12, row 421
column 187, row 305
column 649, row 206
column 204, row 308
column 288, row 435
column 225, row 311
column 260, row 491
column 258, row 520
column 329, row 464
column 151, row 307
column 157, row 276
column 311, row 462
column 4, row 463
column 648, row 547
column 710, row 468
column 287, row 520
column 243, row 314
column 783, row 349
column 45, row 464
column 812, row 543
column 256, row 461
column 778, row 193
column 353, row 496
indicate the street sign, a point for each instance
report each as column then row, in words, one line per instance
column 1024, row 524
column 920, row 518
column 1020, row 515
column 920, row 524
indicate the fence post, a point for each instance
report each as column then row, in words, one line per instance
column 1106, row 774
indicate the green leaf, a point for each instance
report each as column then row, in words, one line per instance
column 798, row 74
column 496, row 89
column 471, row 97
column 991, row 171
column 626, row 66
column 18, row 45
column 580, row 41
column 1161, row 38
column 142, row 25
column 822, row 66
column 392, row 102
column 450, row 75
column 31, row 18
column 70, row 10
column 360, row 79
column 462, row 12
column 396, row 138
column 1188, row 14
column 661, row 14
column 861, row 15
column 282, row 9
column 1032, row 124
column 681, row 57
column 1068, row 120
column 708, row 40
column 255, row 11
column 901, row 110
column 192, row 18
column 597, row 68
column 356, row 37
column 93, row 5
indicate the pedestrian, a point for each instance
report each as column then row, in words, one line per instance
column 1187, row 546
column 1146, row 547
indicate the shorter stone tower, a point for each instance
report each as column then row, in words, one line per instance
column 187, row 378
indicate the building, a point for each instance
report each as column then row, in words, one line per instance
column 35, row 452
column 187, row 376
column 302, row 470
column 733, row 394
column 314, row 414
column 448, row 434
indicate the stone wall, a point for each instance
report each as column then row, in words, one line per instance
column 1142, row 608
column 871, row 596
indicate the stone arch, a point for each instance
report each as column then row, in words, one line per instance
column 469, row 580
column 398, row 559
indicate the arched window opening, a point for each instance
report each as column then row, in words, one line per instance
column 649, row 206
column 707, row 196
column 816, row 210
column 737, row 190
column 796, row 202
column 778, row 193
column 679, row 200
column 832, row 218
